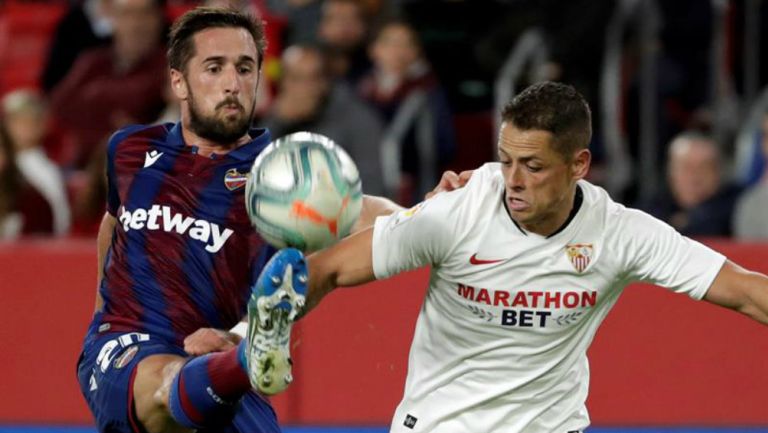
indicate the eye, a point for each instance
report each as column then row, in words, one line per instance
column 214, row 69
column 533, row 168
column 505, row 163
column 245, row 70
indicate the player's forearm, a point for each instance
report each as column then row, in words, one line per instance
column 741, row 290
column 756, row 298
column 374, row 206
column 103, row 241
column 348, row 263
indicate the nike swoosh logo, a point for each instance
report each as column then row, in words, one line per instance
column 475, row 261
column 151, row 158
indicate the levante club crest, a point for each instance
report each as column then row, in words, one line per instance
column 234, row 179
column 580, row 255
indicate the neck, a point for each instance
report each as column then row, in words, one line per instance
column 206, row 147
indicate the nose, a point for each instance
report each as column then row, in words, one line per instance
column 231, row 81
column 515, row 179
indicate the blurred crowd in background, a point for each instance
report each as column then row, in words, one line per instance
column 409, row 88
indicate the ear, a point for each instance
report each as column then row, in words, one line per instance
column 179, row 85
column 582, row 159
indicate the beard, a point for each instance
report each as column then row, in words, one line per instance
column 222, row 130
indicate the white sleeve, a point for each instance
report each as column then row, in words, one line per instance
column 656, row 253
column 414, row 237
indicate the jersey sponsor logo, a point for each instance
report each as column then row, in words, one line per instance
column 162, row 218
column 475, row 261
column 234, row 179
column 528, row 308
column 580, row 255
column 151, row 157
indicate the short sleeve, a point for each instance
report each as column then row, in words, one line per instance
column 414, row 237
column 656, row 253
column 113, row 196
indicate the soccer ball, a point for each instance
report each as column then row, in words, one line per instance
column 303, row 191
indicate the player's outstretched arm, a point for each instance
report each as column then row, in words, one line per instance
column 348, row 263
column 741, row 290
column 103, row 240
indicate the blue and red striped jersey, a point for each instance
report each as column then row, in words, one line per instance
column 183, row 253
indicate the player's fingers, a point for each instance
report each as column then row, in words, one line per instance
column 464, row 177
column 448, row 182
column 202, row 341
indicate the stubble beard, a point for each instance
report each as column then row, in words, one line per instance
column 222, row 130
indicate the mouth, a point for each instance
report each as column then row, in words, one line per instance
column 231, row 107
column 516, row 204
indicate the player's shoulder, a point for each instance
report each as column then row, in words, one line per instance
column 600, row 203
column 486, row 182
column 485, row 175
column 624, row 223
column 138, row 134
column 141, row 131
column 453, row 209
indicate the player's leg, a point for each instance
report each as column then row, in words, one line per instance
column 204, row 391
column 134, row 382
column 254, row 415
column 108, row 371
column 277, row 299
column 179, row 394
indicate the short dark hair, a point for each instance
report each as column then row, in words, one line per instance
column 181, row 47
column 554, row 107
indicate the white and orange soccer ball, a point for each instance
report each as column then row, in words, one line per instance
column 303, row 191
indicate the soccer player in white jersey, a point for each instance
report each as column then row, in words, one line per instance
column 527, row 259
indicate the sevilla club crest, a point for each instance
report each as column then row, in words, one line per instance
column 580, row 255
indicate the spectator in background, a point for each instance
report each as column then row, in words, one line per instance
column 309, row 100
column 301, row 18
column 751, row 215
column 87, row 24
column 405, row 90
column 109, row 88
column 23, row 211
column 24, row 115
column 697, row 204
column 343, row 34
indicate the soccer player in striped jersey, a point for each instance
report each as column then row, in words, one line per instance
column 177, row 253
column 527, row 259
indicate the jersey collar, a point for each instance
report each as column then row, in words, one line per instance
column 260, row 138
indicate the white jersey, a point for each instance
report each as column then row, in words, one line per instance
column 501, row 340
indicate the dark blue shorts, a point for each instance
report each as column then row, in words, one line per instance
column 106, row 371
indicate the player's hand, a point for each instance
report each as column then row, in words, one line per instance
column 451, row 181
column 207, row 340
